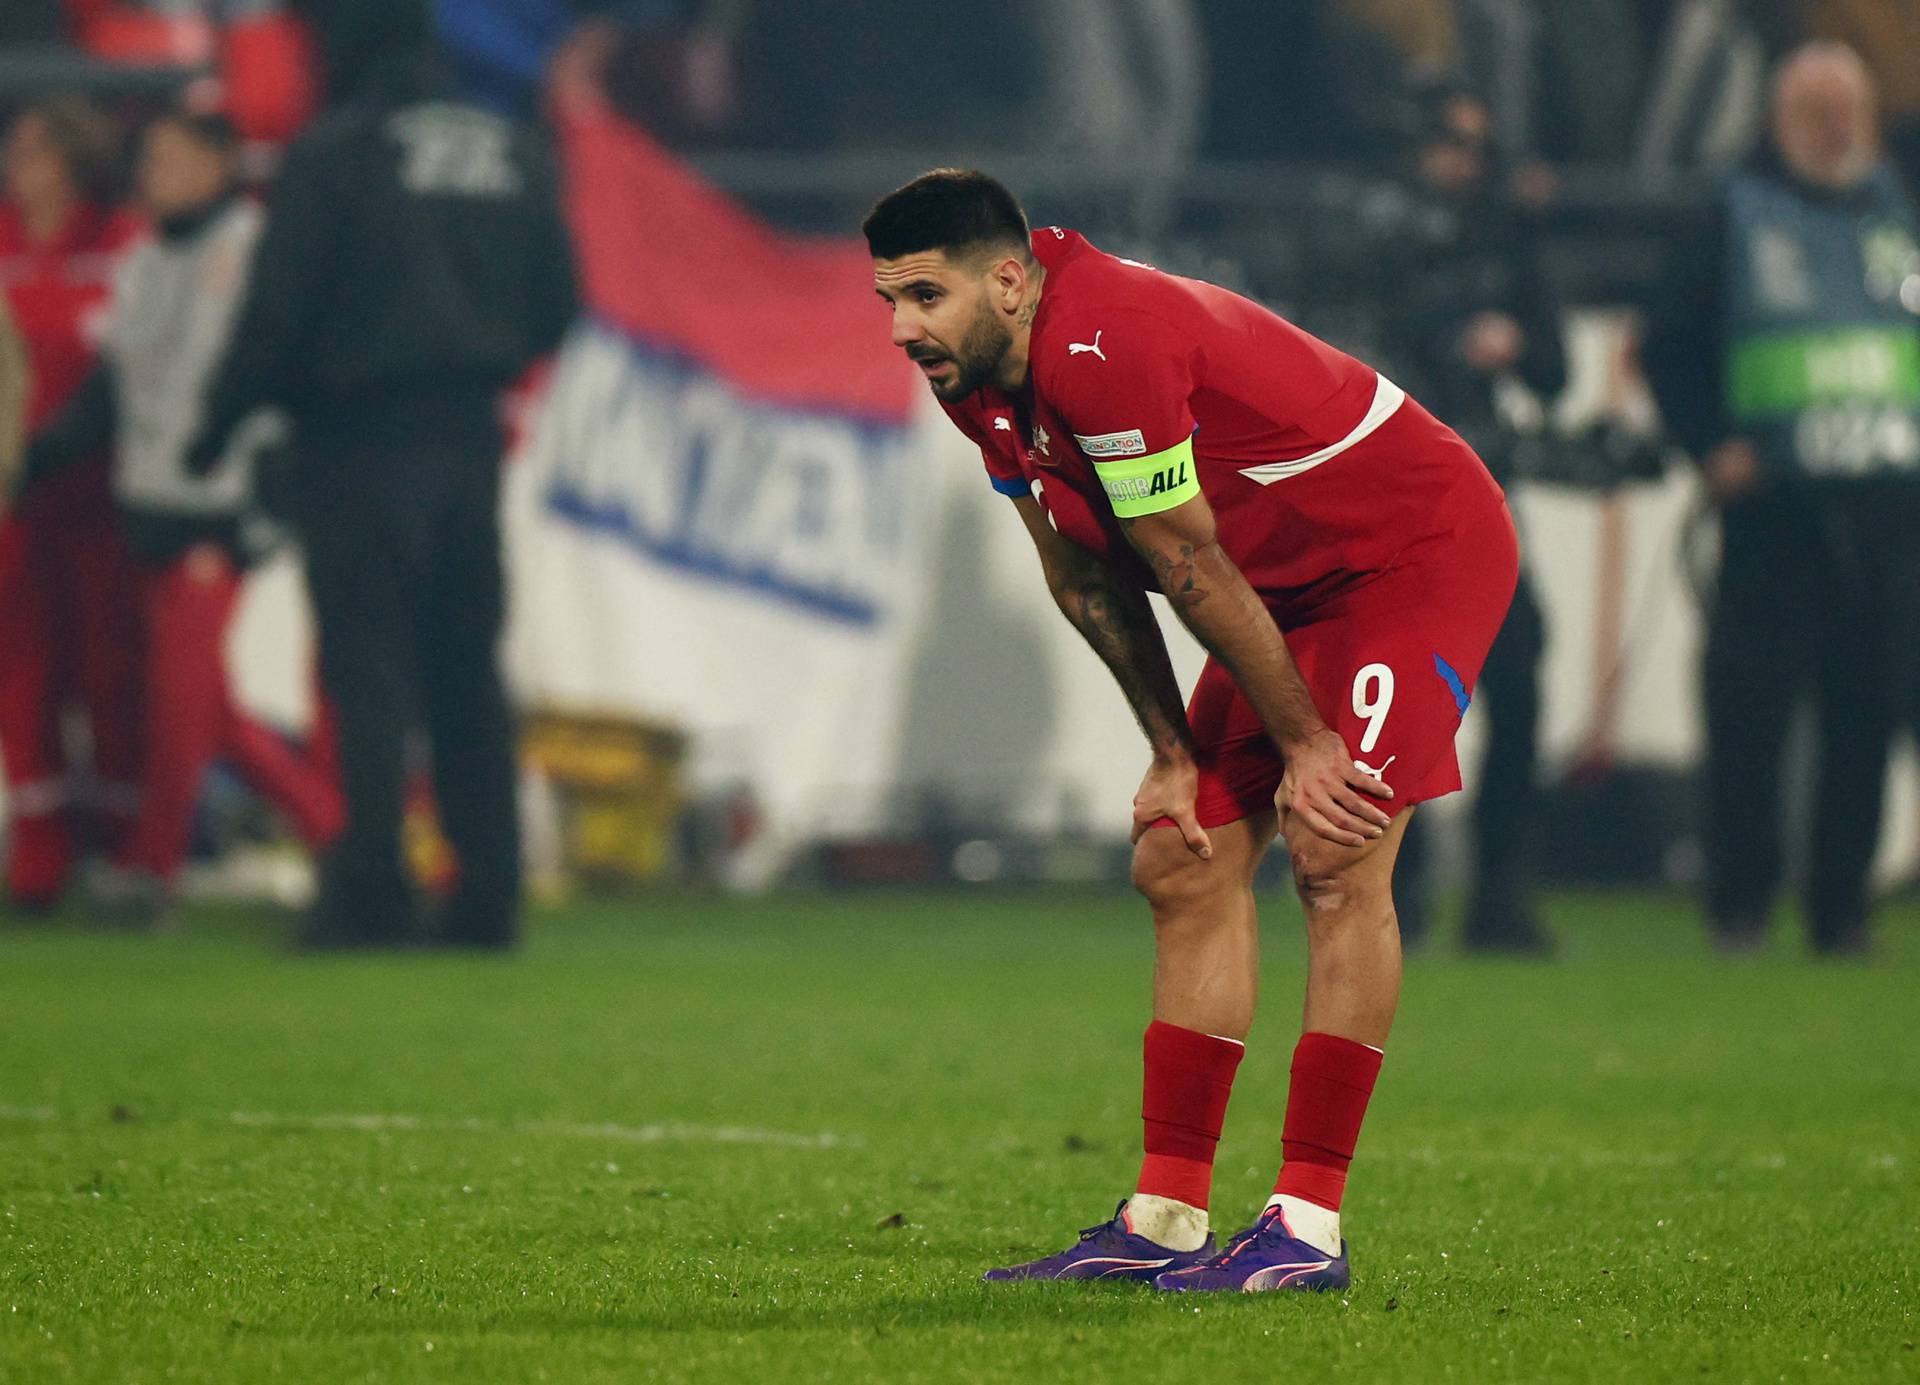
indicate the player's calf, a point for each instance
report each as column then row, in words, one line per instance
column 1353, row 937
column 1353, row 989
column 1204, row 981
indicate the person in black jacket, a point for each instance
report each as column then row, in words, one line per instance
column 1466, row 306
column 414, row 265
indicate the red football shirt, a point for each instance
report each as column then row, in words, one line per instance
column 1319, row 471
column 58, row 292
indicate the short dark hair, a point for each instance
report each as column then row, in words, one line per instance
column 952, row 209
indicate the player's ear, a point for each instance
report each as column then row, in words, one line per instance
column 1010, row 279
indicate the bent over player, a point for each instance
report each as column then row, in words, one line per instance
column 1344, row 558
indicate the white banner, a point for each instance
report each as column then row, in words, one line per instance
column 753, row 574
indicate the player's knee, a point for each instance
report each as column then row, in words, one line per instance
column 1332, row 881
column 1170, row 875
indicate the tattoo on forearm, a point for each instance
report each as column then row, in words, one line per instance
column 1179, row 576
column 1178, row 569
column 1119, row 625
column 1237, row 630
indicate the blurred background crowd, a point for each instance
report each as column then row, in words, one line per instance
column 270, row 267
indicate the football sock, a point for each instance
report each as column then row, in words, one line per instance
column 1166, row 1222
column 1309, row 1222
column 1188, row 1078
column 1326, row 1102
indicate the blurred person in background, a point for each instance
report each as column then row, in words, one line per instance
column 69, row 626
column 1561, row 78
column 173, row 306
column 15, row 380
column 1466, row 308
column 1886, row 35
column 670, row 66
column 1785, row 353
column 414, row 264
column 258, row 51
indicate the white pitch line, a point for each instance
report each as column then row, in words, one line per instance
column 663, row 1133
column 378, row 1123
column 1589, row 1158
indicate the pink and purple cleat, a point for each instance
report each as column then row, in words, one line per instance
column 1266, row 1255
column 1109, row 1251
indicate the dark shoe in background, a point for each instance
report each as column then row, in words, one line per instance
column 1739, row 935
column 1842, row 940
column 360, row 909
column 479, row 920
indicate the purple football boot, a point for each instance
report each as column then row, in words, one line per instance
column 1264, row 1256
column 1108, row 1251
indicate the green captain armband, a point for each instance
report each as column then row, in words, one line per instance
column 1148, row 485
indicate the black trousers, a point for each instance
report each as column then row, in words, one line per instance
column 402, row 542
column 1817, row 600
column 1506, row 802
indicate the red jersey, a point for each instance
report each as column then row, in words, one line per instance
column 58, row 292
column 1319, row 471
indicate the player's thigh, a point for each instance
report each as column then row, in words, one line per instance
column 1172, row 877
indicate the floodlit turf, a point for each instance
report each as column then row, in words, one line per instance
column 692, row 1139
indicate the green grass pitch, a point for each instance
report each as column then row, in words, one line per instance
column 697, row 1139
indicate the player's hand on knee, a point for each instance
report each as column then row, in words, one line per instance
column 1169, row 791
column 1330, row 793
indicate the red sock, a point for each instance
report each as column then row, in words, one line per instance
column 1189, row 1076
column 1327, row 1100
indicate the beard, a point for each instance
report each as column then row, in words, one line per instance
column 976, row 359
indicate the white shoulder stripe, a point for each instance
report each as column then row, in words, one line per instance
column 1387, row 398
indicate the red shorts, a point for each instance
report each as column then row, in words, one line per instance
column 1390, row 664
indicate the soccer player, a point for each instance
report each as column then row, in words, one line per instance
column 1346, row 561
